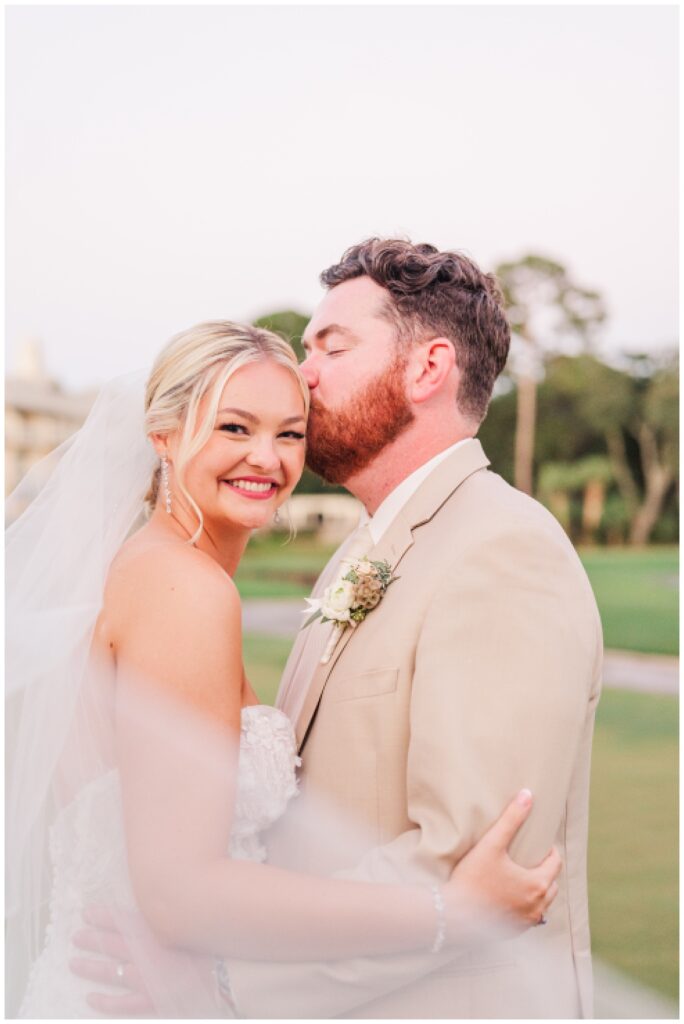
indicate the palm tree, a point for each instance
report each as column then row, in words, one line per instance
column 588, row 477
column 545, row 306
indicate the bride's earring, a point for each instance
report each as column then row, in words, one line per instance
column 278, row 518
column 165, row 483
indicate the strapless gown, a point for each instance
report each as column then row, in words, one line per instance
column 88, row 853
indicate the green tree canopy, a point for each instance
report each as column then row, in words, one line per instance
column 546, row 309
column 590, row 411
column 289, row 325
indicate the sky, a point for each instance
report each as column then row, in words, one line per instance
column 172, row 164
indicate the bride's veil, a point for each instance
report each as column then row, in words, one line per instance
column 74, row 510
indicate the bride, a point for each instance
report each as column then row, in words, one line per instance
column 142, row 768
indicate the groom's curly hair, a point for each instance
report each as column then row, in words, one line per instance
column 440, row 293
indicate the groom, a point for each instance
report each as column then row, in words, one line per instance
column 478, row 672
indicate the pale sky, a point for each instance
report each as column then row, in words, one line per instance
column 168, row 165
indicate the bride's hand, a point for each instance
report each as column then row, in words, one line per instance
column 488, row 879
column 112, row 967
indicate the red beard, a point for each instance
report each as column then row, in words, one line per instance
column 343, row 441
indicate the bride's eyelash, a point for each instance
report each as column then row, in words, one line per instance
column 240, row 428
column 233, row 427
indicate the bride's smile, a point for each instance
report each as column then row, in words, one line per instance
column 253, row 487
column 250, row 462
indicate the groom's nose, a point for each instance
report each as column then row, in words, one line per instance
column 310, row 371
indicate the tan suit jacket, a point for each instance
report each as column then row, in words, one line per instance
column 476, row 675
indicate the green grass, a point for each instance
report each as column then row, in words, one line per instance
column 633, row 852
column 265, row 658
column 274, row 567
column 637, row 595
column 633, row 844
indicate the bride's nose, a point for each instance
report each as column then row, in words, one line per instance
column 263, row 455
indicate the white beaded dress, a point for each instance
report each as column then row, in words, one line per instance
column 88, row 853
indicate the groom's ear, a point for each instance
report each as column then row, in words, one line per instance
column 432, row 367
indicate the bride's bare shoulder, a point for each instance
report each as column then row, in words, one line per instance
column 153, row 575
column 172, row 616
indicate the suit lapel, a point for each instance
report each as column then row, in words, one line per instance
column 392, row 547
column 298, row 663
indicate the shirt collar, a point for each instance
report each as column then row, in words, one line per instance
column 392, row 505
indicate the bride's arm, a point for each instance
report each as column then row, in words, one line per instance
column 179, row 679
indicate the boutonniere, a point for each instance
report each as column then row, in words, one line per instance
column 360, row 586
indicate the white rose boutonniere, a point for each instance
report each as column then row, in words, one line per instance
column 346, row 602
column 337, row 603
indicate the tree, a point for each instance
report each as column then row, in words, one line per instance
column 588, row 476
column 289, row 325
column 632, row 412
column 497, row 432
column 545, row 306
column 654, row 426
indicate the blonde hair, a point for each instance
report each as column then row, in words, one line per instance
column 199, row 362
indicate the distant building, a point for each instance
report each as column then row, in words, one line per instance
column 332, row 517
column 39, row 414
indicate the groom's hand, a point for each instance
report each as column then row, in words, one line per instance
column 113, row 966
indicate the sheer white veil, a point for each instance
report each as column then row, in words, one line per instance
column 75, row 509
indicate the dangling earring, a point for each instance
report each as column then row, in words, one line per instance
column 165, row 483
column 276, row 516
column 291, row 525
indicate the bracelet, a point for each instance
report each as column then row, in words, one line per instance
column 441, row 925
column 223, row 986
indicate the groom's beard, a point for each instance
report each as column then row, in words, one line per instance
column 343, row 441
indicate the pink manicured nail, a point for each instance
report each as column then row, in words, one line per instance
column 524, row 797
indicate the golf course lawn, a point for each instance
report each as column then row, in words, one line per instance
column 272, row 566
column 633, row 837
column 636, row 591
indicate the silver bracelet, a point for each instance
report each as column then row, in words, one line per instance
column 441, row 925
column 223, row 986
